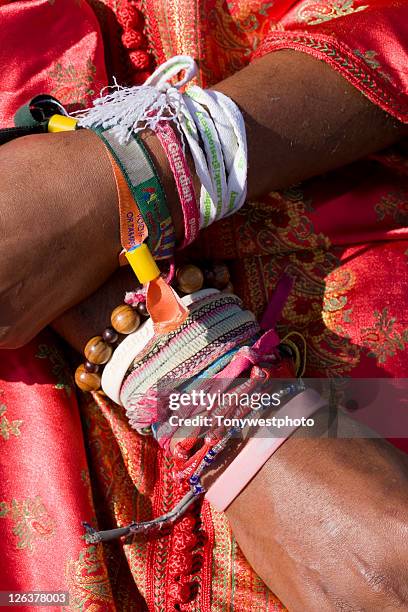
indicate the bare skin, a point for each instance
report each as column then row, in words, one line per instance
column 331, row 515
column 325, row 524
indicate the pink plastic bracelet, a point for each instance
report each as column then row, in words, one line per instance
column 258, row 450
column 184, row 181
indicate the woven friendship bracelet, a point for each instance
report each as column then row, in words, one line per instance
column 153, row 395
column 150, row 211
column 183, row 179
column 244, row 332
column 216, row 366
column 189, row 343
column 124, row 356
column 162, row 356
column 203, row 350
column 197, row 312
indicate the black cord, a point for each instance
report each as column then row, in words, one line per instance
column 10, row 133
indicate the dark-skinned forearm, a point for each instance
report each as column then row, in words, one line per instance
column 59, row 220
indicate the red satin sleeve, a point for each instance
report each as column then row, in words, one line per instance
column 49, row 47
column 364, row 40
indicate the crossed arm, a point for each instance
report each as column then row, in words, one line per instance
column 331, row 515
column 58, row 210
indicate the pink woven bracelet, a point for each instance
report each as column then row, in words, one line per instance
column 259, row 449
column 183, row 179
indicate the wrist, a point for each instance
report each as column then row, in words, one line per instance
column 90, row 166
column 61, row 218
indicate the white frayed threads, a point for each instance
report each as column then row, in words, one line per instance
column 127, row 110
column 209, row 122
column 130, row 110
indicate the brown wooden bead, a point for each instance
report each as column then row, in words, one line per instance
column 87, row 381
column 221, row 276
column 97, row 351
column 142, row 309
column 189, row 278
column 93, row 368
column 229, row 288
column 110, row 335
column 125, row 319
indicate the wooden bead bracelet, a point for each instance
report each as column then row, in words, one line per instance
column 126, row 319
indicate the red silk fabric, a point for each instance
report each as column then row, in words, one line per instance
column 365, row 41
column 342, row 237
column 49, row 46
column 45, row 484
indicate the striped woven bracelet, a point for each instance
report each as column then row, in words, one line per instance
column 204, row 336
column 183, row 180
column 149, row 196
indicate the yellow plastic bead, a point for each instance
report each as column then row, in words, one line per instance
column 143, row 264
column 61, row 123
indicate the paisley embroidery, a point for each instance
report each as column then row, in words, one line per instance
column 335, row 300
column 235, row 35
column 88, row 582
column 59, row 368
column 32, row 523
column 280, row 226
column 314, row 13
column 120, row 457
column 383, row 339
column 337, row 55
column 73, row 85
column 242, row 10
column 394, row 205
column 222, row 35
column 8, row 428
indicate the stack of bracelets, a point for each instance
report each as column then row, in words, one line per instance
column 126, row 318
column 160, row 343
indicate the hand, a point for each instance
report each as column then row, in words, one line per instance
column 325, row 525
